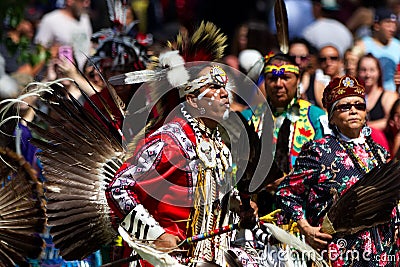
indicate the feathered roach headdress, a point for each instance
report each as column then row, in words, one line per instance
column 117, row 46
column 206, row 44
column 118, row 50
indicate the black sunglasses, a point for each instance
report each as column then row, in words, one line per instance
column 302, row 58
column 324, row 59
column 347, row 107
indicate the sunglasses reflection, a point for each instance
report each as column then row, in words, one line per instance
column 347, row 107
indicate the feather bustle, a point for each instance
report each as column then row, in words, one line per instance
column 79, row 157
column 22, row 211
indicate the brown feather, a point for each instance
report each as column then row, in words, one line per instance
column 79, row 157
column 22, row 211
column 281, row 22
column 369, row 202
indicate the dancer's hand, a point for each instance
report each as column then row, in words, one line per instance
column 314, row 237
column 166, row 242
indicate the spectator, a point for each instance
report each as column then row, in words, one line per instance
column 361, row 21
column 60, row 67
column 379, row 101
column 331, row 66
column 253, row 35
column 18, row 50
column 350, row 60
column 304, row 55
column 384, row 46
column 319, row 33
column 69, row 26
column 392, row 130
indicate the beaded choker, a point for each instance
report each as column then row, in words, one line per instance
column 357, row 161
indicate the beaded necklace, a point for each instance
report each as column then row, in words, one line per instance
column 357, row 162
column 213, row 174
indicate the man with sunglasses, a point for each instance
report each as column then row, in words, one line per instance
column 296, row 121
column 330, row 166
column 305, row 56
column 330, row 66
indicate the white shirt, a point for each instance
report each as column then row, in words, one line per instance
column 326, row 31
column 56, row 27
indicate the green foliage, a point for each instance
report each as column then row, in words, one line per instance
column 12, row 11
column 11, row 14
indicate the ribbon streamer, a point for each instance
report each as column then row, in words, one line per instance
column 218, row 231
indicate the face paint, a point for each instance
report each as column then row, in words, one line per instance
column 204, row 93
column 216, row 76
column 226, row 114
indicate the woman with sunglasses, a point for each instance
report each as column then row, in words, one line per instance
column 328, row 167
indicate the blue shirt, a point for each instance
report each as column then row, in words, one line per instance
column 389, row 57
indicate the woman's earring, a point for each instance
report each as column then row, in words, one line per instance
column 202, row 111
column 366, row 130
column 299, row 90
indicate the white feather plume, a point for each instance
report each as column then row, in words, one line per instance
column 177, row 74
column 296, row 243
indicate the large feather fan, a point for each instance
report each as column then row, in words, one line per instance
column 369, row 202
column 80, row 154
column 22, row 210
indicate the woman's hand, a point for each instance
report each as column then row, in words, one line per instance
column 67, row 68
column 167, row 242
column 313, row 235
